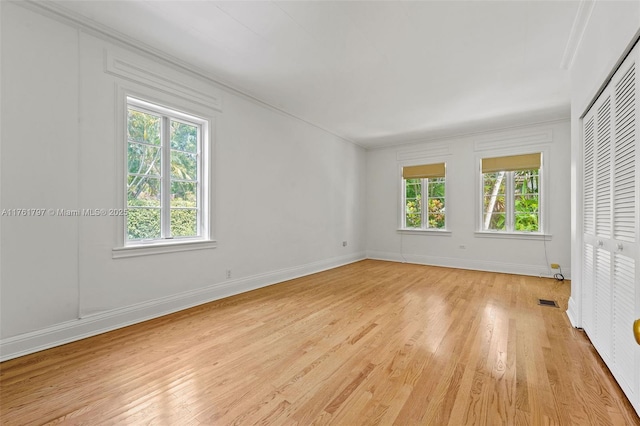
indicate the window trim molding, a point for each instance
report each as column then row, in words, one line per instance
column 513, row 235
column 165, row 246
column 544, row 228
column 171, row 103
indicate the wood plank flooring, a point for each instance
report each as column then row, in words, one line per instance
column 369, row 343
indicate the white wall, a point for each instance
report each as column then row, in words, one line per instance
column 39, row 168
column 462, row 156
column 610, row 30
column 286, row 193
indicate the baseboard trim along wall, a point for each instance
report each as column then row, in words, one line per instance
column 92, row 325
column 572, row 312
column 472, row 264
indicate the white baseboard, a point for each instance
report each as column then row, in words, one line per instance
column 473, row 264
column 92, row 325
column 572, row 313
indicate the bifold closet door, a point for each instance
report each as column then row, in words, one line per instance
column 624, row 199
column 610, row 287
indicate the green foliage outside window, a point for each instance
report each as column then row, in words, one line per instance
column 144, row 181
column 144, row 223
column 494, row 201
column 525, row 200
column 435, row 205
column 413, row 207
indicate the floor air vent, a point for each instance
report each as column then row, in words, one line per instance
column 545, row 302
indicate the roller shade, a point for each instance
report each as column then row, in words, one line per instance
column 423, row 171
column 511, row 163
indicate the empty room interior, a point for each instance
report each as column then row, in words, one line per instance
column 319, row 212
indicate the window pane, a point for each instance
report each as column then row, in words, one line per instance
column 495, row 221
column 523, row 202
column 436, row 187
column 494, row 204
column 527, row 222
column 526, row 203
column 143, row 223
column 184, row 137
column 143, row 127
column 184, row 166
column 184, row 222
column 494, row 207
column 526, row 181
column 436, row 220
column 413, row 206
column 163, row 173
column 494, row 183
column 412, row 187
column 436, row 213
column 144, row 159
column 414, row 220
column 143, row 191
column 436, row 205
column 184, row 194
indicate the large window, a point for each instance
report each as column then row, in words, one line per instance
column 511, row 193
column 164, row 186
column 423, row 204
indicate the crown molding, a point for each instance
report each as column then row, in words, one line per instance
column 89, row 26
column 577, row 32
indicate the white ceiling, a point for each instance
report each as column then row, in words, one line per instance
column 370, row 71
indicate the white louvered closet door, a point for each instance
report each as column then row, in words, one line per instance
column 626, row 284
column 588, row 275
column 611, row 286
column 603, row 228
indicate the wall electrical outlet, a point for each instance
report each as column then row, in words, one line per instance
column 228, row 273
column 555, row 266
column 344, row 244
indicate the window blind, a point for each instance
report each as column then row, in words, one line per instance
column 511, row 163
column 423, row 171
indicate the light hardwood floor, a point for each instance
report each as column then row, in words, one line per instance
column 369, row 343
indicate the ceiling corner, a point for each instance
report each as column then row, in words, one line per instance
column 577, row 31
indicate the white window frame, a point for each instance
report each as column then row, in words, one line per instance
column 402, row 226
column 179, row 109
column 543, row 191
column 509, row 196
column 424, row 213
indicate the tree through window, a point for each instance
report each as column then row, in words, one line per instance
column 511, row 193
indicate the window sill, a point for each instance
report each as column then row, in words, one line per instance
column 513, row 235
column 161, row 248
column 440, row 232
